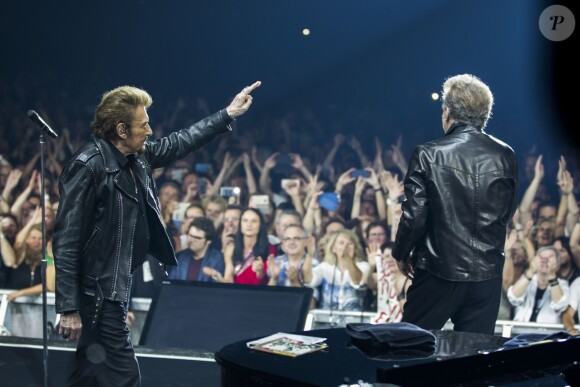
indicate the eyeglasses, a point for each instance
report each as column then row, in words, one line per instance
column 295, row 239
column 198, row 238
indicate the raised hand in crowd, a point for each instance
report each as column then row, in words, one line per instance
column 530, row 193
column 338, row 140
column 223, row 175
column 255, row 160
column 343, row 180
column 397, row 156
column 568, row 211
column 354, row 143
column 292, row 189
column 265, row 180
column 32, row 186
column 395, row 190
column 11, row 183
column 378, row 161
column 250, row 180
column 299, row 165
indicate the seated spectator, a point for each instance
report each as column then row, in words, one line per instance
column 289, row 269
column 340, row 275
column 573, row 309
column 246, row 258
column 538, row 295
column 26, row 275
column 199, row 262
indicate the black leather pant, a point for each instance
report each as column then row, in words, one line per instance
column 105, row 355
column 471, row 306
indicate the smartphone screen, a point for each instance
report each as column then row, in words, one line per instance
column 361, row 173
column 261, row 203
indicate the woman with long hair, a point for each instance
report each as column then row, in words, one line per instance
column 246, row 257
column 340, row 274
column 26, row 275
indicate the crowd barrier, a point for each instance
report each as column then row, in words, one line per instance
column 23, row 318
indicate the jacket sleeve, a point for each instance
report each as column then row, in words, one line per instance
column 177, row 145
column 412, row 225
column 78, row 187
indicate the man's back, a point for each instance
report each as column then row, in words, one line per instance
column 470, row 183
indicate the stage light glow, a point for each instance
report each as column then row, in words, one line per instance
column 306, row 32
column 434, row 96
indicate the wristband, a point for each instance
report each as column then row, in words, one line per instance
column 528, row 278
column 553, row 282
column 69, row 312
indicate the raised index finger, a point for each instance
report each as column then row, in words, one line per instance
column 252, row 87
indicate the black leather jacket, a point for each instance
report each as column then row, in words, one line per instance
column 98, row 211
column 460, row 194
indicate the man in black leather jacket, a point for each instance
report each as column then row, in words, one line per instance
column 109, row 220
column 460, row 195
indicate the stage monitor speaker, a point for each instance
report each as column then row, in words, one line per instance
column 208, row 316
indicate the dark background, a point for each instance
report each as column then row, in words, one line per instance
column 368, row 66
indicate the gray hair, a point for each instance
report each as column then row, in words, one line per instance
column 468, row 99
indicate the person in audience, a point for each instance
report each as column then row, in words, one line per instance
column 9, row 226
column 572, row 312
column 568, row 269
column 518, row 252
column 229, row 227
column 199, row 262
column 340, row 274
column 375, row 208
column 26, row 274
column 289, row 269
column 394, row 282
column 168, row 199
column 543, row 233
column 246, row 259
column 539, row 295
column 214, row 207
column 10, row 178
column 190, row 188
column 7, row 256
column 283, row 219
column 376, row 233
column 194, row 210
column 333, row 225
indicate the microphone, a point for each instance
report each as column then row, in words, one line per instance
column 41, row 124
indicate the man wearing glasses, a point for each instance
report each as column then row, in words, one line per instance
column 289, row 269
column 200, row 261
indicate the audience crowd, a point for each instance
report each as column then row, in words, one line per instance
column 274, row 206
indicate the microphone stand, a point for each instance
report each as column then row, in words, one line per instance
column 43, row 128
column 43, row 266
